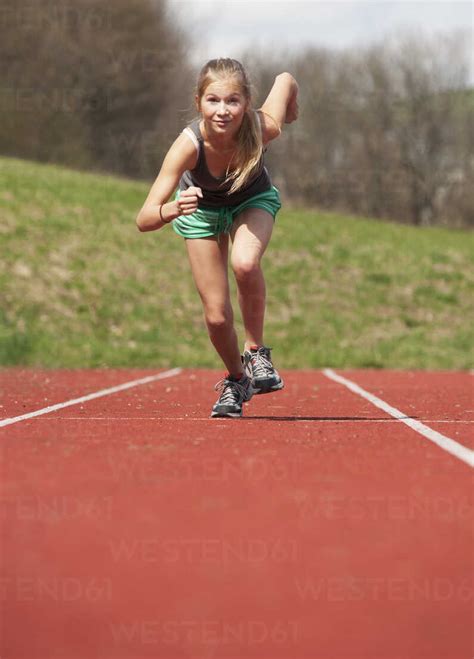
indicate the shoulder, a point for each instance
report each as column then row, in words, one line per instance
column 184, row 150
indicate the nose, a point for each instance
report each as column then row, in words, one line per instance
column 222, row 108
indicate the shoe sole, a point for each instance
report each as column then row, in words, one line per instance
column 270, row 390
column 230, row 415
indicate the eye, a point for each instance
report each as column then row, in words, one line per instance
column 214, row 100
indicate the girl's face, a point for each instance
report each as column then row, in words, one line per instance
column 223, row 107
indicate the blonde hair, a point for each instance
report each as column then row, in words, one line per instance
column 249, row 138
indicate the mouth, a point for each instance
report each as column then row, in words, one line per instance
column 222, row 123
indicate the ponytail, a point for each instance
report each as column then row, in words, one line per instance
column 249, row 151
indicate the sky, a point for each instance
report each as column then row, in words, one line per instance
column 224, row 27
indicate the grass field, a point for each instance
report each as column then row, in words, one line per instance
column 81, row 287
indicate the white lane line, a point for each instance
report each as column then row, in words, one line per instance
column 450, row 445
column 96, row 394
column 207, row 418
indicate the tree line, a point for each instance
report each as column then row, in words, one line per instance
column 386, row 131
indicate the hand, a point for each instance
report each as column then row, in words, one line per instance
column 188, row 200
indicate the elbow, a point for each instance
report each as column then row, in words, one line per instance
column 290, row 80
column 287, row 75
column 139, row 223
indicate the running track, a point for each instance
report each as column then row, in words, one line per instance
column 320, row 526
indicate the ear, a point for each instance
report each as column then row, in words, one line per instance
column 196, row 102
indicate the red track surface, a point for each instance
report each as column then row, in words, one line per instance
column 317, row 527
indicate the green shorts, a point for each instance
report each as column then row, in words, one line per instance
column 208, row 221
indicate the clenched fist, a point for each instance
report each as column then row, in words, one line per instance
column 188, row 200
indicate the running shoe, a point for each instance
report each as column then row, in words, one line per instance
column 258, row 365
column 233, row 394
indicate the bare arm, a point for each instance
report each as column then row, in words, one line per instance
column 280, row 106
column 155, row 212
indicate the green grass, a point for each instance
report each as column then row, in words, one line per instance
column 83, row 288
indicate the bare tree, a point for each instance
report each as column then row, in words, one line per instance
column 386, row 131
column 91, row 84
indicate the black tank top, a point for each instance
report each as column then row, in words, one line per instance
column 215, row 192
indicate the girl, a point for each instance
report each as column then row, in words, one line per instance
column 225, row 190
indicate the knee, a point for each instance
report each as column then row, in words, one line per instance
column 245, row 268
column 218, row 320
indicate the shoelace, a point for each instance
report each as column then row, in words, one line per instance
column 261, row 363
column 232, row 392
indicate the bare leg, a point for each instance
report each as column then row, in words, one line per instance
column 251, row 234
column 208, row 258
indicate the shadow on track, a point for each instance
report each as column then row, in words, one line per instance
column 322, row 418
